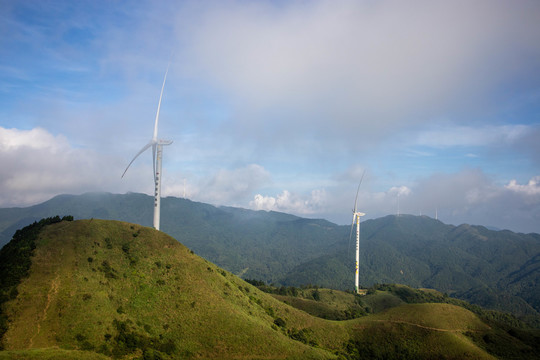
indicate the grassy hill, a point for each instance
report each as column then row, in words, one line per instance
column 500, row 334
column 120, row 289
column 100, row 289
column 257, row 244
column 495, row 269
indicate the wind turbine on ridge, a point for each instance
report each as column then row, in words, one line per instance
column 356, row 218
column 157, row 155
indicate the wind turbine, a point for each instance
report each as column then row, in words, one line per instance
column 157, row 156
column 356, row 218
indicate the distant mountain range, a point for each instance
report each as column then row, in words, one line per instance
column 496, row 269
column 102, row 289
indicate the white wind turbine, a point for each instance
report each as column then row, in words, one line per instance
column 356, row 218
column 157, row 155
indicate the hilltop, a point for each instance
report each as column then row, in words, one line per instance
column 96, row 289
column 494, row 269
column 116, row 289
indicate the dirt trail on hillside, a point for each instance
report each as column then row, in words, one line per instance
column 422, row 326
column 52, row 292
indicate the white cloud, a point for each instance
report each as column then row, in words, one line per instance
column 35, row 139
column 481, row 136
column 351, row 70
column 290, row 202
column 532, row 188
column 399, row 191
column 303, row 89
column 467, row 196
column 470, row 196
column 37, row 165
column 233, row 187
column 261, row 202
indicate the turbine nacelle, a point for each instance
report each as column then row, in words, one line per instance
column 164, row 142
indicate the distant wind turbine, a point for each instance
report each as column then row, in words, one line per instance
column 356, row 218
column 157, row 155
column 184, row 188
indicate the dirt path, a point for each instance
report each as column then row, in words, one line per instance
column 422, row 326
column 52, row 292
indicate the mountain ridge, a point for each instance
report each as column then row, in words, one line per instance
column 101, row 289
column 498, row 269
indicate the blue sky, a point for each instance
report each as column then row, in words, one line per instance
column 279, row 105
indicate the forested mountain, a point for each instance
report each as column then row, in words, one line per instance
column 496, row 269
column 100, row 289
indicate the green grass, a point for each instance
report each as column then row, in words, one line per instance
column 99, row 289
column 94, row 286
column 330, row 304
column 51, row 354
column 381, row 300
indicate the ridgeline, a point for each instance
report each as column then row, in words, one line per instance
column 99, row 289
column 494, row 269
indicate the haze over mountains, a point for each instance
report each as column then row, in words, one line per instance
column 497, row 269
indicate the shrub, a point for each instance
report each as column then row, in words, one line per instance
column 298, row 335
column 108, row 270
column 270, row 311
column 86, row 345
column 127, row 341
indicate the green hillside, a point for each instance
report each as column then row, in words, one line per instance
column 495, row 269
column 256, row 244
column 120, row 289
column 499, row 270
column 100, row 289
column 500, row 334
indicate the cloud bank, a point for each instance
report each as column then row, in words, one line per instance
column 340, row 68
column 37, row 165
column 279, row 105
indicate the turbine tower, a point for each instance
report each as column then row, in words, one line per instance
column 157, row 156
column 356, row 218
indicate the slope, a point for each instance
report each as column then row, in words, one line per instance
column 257, row 244
column 99, row 289
column 496, row 269
column 97, row 285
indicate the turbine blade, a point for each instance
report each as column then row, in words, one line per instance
column 139, row 153
column 159, row 104
column 358, row 190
